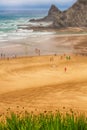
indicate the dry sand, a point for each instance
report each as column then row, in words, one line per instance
column 32, row 83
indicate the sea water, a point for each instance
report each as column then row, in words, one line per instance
column 17, row 41
column 10, row 19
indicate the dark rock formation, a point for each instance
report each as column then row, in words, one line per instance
column 76, row 16
column 83, row 1
column 51, row 15
column 53, row 11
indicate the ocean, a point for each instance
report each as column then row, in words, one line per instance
column 19, row 42
column 10, row 19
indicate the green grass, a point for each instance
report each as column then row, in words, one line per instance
column 45, row 121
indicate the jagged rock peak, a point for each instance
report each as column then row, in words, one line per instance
column 53, row 9
column 75, row 16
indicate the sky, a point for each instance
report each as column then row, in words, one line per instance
column 62, row 4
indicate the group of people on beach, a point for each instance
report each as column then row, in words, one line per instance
column 38, row 52
column 3, row 56
column 61, row 57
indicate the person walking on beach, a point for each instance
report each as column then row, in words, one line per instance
column 4, row 56
column 68, row 57
column 65, row 69
column 61, row 57
column 51, row 59
column 64, row 54
column 1, row 55
column 37, row 51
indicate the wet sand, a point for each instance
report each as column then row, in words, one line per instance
column 48, row 45
column 41, row 83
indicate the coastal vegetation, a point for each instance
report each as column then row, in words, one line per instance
column 45, row 121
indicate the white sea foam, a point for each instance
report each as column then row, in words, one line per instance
column 36, row 24
column 21, row 34
column 9, row 30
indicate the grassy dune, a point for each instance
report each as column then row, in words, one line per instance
column 45, row 121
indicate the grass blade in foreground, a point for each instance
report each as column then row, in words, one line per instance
column 47, row 121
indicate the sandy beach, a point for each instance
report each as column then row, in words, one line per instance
column 41, row 83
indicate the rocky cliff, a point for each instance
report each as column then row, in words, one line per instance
column 75, row 16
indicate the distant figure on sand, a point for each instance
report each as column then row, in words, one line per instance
column 61, row 57
column 65, row 69
column 4, row 56
column 68, row 57
column 1, row 55
column 7, row 58
column 37, row 51
column 64, row 54
column 51, row 59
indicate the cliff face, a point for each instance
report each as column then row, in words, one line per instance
column 76, row 16
column 83, row 1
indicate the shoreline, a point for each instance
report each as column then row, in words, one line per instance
column 47, row 44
